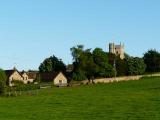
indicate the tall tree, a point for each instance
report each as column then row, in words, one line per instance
column 78, row 73
column 52, row 64
column 84, row 66
column 121, row 66
column 152, row 60
column 76, row 52
column 89, row 64
column 101, row 60
column 118, row 63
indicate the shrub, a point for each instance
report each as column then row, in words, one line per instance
column 3, row 80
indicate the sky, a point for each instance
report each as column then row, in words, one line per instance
column 32, row 30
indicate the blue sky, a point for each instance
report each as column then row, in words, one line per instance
column 31, row 30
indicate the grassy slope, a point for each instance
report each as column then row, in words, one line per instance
column 133, row 100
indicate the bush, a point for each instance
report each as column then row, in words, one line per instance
column 19, row 89
column 27, row 87
column 3, row 80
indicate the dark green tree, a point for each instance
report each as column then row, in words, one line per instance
column 136, row 66
column 76, row 52
column 120, row 64
column 78, row 73
column 3, row 81
column 101, row 60
column 84, row 66
column 89, row 64
column 52, row 64
column 152, row 60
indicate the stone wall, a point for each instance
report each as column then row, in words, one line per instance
column 117, row 79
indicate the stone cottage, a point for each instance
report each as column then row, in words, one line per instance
column 58, row 78
column 13, row 75
column 25, row 77
column 32, row 75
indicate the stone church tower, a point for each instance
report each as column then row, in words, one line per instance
column 117, row 49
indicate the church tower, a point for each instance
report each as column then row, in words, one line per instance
column 117, row 49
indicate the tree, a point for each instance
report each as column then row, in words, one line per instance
column 3, row 80
column 76, row 52
column 101, row 60
column 100, row 57
column 78, row 73
column 83, row 62
column 89, row 64
column 52, row 64
column 136, row 66
column 152, row 60
column 120, row 64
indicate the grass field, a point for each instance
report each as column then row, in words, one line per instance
column 133, row 100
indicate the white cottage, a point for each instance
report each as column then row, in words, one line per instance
column 58, row 78
column 13, row 75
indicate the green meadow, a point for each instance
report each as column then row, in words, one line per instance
column 132, row 100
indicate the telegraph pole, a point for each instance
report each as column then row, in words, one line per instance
column 115, row 70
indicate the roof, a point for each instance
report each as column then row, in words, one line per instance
column 32, row 75
column 118, row 46
column 23, row 72
column 9, row 72
column 50, row 76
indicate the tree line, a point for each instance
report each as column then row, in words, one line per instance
column 90, row 64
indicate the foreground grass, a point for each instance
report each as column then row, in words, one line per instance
column 133, row 100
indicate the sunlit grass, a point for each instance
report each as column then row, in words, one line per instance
column 132, row 100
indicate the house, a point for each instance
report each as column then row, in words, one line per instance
column 32, row 75
column 13, row 75
column 25, row 77
column 58, row 78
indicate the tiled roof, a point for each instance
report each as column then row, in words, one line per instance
column 48, row 77
column 32, row 75
column 9, row 72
